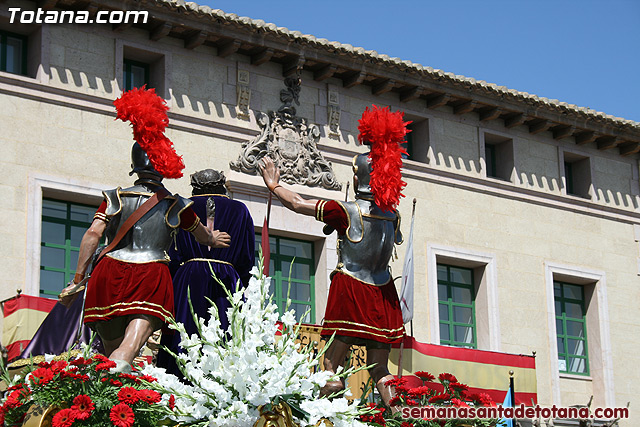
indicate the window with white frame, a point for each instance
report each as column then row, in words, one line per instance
column 578, row 320
column 463, row 297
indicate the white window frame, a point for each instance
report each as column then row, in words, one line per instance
column 44, row 185
column 598, row 335
column 487, row 313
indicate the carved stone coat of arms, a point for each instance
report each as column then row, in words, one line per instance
column 291, row 142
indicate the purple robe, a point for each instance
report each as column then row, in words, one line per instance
column 58, row 331
column 189, row 270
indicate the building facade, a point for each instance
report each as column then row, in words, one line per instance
column 527, row 224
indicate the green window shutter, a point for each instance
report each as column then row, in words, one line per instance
column 292, row 272
column 456, row 306
column 63, row 225
column 571, row 328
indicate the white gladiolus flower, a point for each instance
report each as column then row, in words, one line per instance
column 233, row 372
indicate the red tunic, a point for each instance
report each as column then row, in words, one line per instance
column 117, row 288
column 355, row 308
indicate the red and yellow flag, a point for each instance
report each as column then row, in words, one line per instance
column 483, row 371
column 22, row 318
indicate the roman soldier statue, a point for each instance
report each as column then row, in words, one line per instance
column 129, row 294
column 363, row 306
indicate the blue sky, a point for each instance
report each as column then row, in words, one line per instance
column 583, row 52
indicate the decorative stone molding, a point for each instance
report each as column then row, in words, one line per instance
column 291, row 142
column 243, row 93
column 333, row 111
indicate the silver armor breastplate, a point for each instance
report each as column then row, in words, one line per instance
column 365, row 250
column 148, row 239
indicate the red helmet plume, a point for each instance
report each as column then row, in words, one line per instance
column 147, row 113
column 384, row 131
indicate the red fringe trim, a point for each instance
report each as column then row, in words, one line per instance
column 147, row 113
column 384, row 131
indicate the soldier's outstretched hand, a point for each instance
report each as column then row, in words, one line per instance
column 270, row 172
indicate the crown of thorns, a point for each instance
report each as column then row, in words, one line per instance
column 207, row 178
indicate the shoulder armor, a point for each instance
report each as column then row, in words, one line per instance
column 178, row 205
column 355, row 229
column 114, row 203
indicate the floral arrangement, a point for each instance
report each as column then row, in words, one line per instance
column 255, row 365
column 452, row 394
column 85, row 393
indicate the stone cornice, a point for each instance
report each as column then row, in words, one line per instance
column 31, row 89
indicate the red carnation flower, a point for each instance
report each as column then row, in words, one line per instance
column 424, row 376
column 395, row 401
column 396, row 382
column 41, row 376
column 80, row 361
column 485, row 400
column 406, row 424
column 459, row 403
column 100, row 357
column 458, row 386
column 16, row 398
column 104, row 366
column 149, row 396
column 448, row 377
column 128, row 395
column 439, row 398
column 148, row 378
column 15, row 387
column 58, row 366
column 419, row 391
column 402, row 389
column 130, row 377
column 83, row 405
column 172, row 402
column 64, row 418
column 121, row 415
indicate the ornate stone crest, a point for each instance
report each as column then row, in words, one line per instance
column 292, row 144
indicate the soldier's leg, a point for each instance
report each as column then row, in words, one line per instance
column 334, row 358
column 111, row 333
column 137, row 332
column 380, row 372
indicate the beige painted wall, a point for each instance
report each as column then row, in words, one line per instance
column 67, row 137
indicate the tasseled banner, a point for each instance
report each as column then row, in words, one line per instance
column 384, row 131
column 147, row 113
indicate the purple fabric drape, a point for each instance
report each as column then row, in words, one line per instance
column 58, row 331
column 233, row 217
